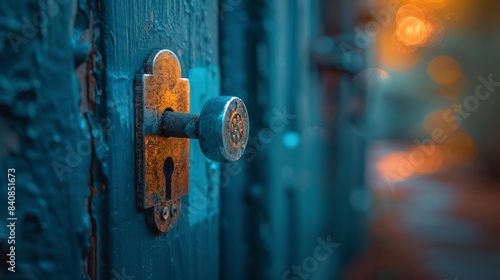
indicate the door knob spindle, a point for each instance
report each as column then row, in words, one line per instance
column 222, row 128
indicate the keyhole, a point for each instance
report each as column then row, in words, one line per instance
column 168, row 170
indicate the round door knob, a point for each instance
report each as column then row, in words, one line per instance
column 222, row 128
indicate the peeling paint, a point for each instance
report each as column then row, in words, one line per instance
column 133, row 30
column 41, row 124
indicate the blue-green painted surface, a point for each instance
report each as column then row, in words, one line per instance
column 46, row 139
column 131, row 30
column 67, row 123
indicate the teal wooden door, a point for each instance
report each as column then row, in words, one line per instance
column 125, row 245
column 67, row 128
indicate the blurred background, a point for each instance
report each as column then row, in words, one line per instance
column 374, row 150
column 394, row 147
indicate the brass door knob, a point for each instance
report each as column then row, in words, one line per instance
column 162, row 125
column 222, row 128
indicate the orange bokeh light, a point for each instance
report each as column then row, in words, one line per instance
column 435, row 4
column 409, row 10
column 389, row 166
column 418, row 26
column 444, row 70
column 412, row 31
column 433, row 163
column 403, row 165
column 390, row 55
column 440, row 119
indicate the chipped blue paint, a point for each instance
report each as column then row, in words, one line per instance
column 40, row 123
column 132, row 30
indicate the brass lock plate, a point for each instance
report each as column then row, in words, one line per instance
column 162, row 164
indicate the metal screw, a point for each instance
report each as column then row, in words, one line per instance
column 165, row 213
column 173, row 210
column 222, row 128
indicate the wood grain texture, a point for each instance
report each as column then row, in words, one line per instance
column 132, row 29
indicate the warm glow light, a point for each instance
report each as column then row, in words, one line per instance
column 390, row 55
column 413, row 31
column 389, row 166
column 418, row 26
column 409, row 10
column 403, row 165
column 433, row 162
column 444, row 70
column 440, row 120
column 435, row 4
column 436, row 29
column 455, row 144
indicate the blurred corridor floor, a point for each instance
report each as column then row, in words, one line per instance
column 441, row 225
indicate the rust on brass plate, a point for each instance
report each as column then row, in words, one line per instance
column 162, row 164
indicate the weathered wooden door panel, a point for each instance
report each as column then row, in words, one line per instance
column 130, row 31
column 44, row 141
column 67, row 128
column 86, row 224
